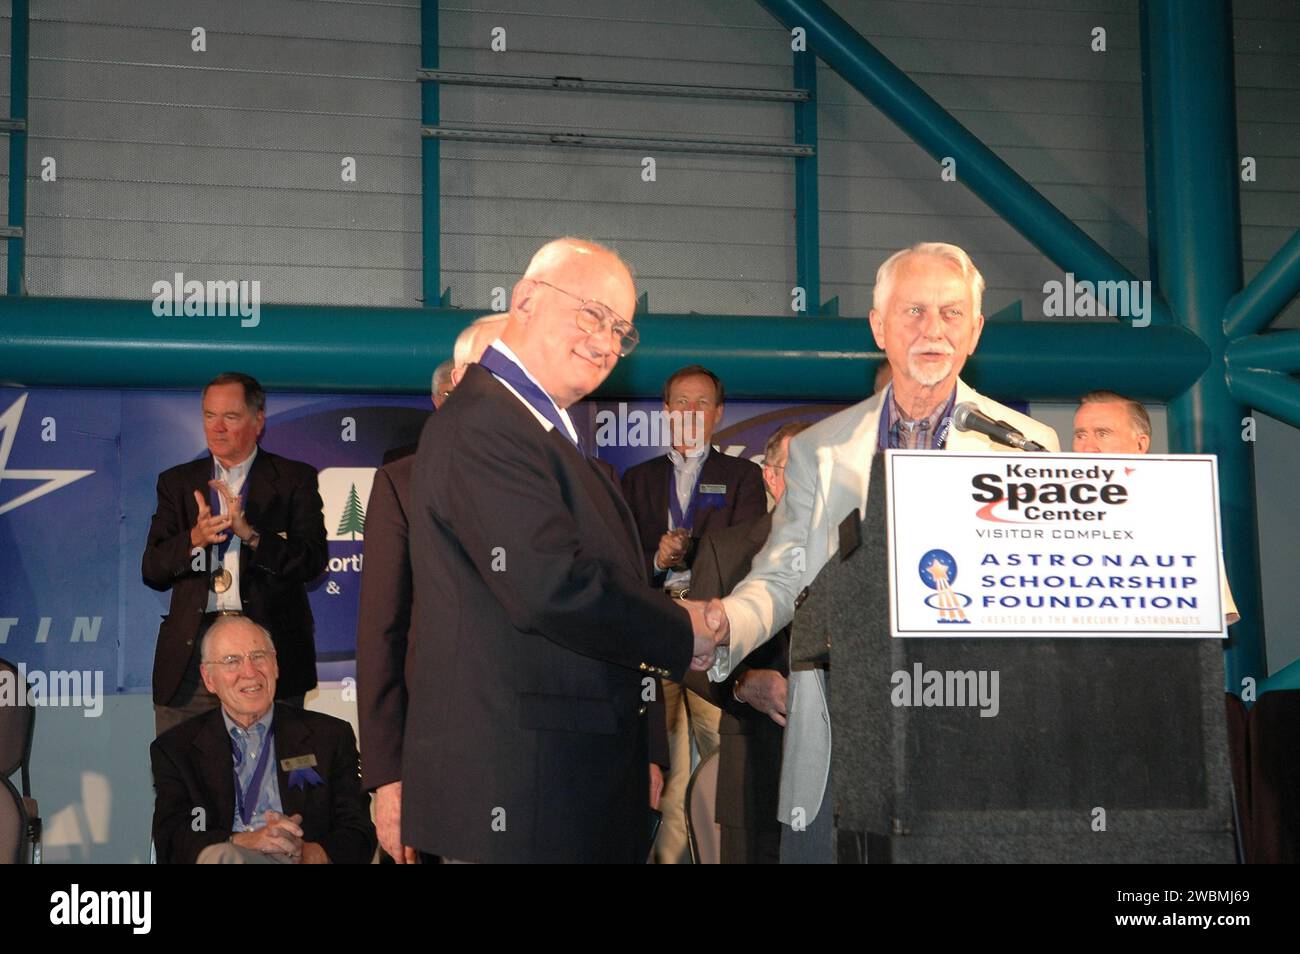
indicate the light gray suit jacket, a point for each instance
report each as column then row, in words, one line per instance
column 826, row 478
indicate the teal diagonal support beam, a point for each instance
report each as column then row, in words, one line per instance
column 888, row 88
column 1272, row 392
column 1193, row 148
column 1279, row 351
column 1252, row 309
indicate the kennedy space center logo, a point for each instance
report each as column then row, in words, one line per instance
column 938, row 571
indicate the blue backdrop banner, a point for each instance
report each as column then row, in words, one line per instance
column 78, row 471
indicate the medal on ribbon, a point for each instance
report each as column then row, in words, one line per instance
column 220, row 579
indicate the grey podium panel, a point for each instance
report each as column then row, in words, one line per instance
column 1133, row 727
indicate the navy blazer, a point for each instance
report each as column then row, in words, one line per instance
column 532, row 633
column 645, row 487
column 383, row 621
column 193, row 769
column 283, row 504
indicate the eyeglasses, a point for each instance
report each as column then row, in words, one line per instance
column 258, row 657
column 593, row 317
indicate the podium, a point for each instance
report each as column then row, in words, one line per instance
column 1101, row 749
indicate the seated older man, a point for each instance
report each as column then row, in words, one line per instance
column 252, row 781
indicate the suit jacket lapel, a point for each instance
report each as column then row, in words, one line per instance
column 215, row 765
column 292, row 739
column 259, row 495
column 848, row 464
column 614, row 511
column 197, row 478
column 608, row 500
column 659, row 478
column 711, row 472
column 259, row 488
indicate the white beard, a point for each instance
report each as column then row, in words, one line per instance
column 929, row 376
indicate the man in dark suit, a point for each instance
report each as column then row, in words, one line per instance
column 255, row 781
column 726, row 490
column 383, row 622
column 533, row 625
column 752, row 698
column 676, row 499
column 237, row 531
column 384, row 611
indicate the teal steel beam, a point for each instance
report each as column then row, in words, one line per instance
column 1252, row 309
column 62, row 342
column 430, row 162
column 19, row 27
column 807, row 227
column 1272, row 392
column 1279, row 351
column 1194, row 157
column 887, row 87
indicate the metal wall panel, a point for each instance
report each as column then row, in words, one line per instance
column 227, row 162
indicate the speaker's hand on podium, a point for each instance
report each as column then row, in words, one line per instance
column 710, row 628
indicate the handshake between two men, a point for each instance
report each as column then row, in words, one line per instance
column 711, row 629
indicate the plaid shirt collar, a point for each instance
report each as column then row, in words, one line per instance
column 929, row 433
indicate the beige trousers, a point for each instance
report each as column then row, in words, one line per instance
column 689, row 717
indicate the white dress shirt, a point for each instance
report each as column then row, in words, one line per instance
column 686, row 470
column 505, row 350
column 235, row 477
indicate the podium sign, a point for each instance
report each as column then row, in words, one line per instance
column 1069, row 545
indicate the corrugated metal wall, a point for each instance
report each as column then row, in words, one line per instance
column 227, row 163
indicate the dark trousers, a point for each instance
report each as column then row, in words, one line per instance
column 751, row 846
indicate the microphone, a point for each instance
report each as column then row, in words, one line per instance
column 968, row 417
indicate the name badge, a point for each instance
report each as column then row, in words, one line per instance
column 713, row 488
column 300, row 762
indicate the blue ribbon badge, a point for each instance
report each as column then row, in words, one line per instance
column 302, row 777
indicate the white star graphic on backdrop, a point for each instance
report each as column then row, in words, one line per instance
column 53, row 479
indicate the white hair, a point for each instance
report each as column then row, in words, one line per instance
column 956, row 255
column 228, row 622
column 463, row 349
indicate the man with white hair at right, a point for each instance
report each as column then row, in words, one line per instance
column 926, row 316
